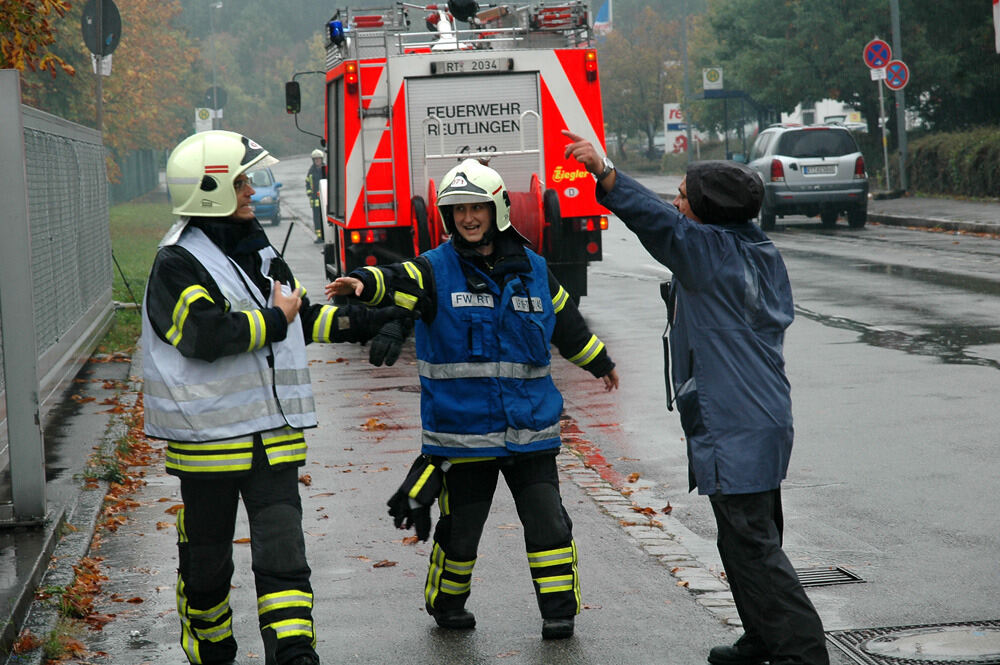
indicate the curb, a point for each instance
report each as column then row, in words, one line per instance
column 42, row 616
column 660, row 539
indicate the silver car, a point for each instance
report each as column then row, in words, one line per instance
column 814, row 170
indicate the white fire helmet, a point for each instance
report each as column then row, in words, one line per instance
column 317, row 154
column 202, row 168
column 471, row 182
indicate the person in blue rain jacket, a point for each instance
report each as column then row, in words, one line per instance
column 728, row 306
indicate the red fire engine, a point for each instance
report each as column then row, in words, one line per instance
column 402, row 107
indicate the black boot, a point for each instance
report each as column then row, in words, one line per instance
column 557, row 629
column 746, row 651
column 460, row 619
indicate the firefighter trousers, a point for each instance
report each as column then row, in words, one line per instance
column 548, row 531
column 205, row 528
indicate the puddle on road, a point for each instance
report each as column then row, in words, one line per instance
column 947, row 342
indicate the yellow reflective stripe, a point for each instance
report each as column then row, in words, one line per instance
column 379, row 285
column 286, row 434
column 182, row 536
column 434, row 571
column 212, row 613
column 556, row 557
column 461, row 460
column 589, row 351
column 182, row 308
column 455, row 588
column 295, row 452
column 255, row 321
column 554, row 584
column 284, row 599
column 298, row 285
column 459, row 567
column 560, row 299
column 414, row 273
column 419, row 485
column 208, row 463
column 323, row 325
column 234, row 446
column 291, row 628
column 404, row 300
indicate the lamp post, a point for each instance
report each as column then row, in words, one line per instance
column 216, row 124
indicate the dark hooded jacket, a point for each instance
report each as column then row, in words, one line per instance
column 731, row 302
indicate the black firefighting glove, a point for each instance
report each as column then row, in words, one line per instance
column 410, row 506
column 360, row 323
column 388, row 342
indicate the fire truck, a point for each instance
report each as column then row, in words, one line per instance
column 403, row 106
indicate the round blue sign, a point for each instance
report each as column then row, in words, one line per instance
column 877, row 54
column 897, row 74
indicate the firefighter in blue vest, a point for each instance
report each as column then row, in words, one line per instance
column 488, row 309
column 226, row 384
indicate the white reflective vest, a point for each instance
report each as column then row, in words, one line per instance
column 192, row 400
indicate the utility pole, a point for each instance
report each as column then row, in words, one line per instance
column 897, row 49
column 216, row 124
column 685, row 106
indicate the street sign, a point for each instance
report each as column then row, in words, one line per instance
column 877, row 54
column 711, row 78
column 215, row 97
column 897, row 75
column 111, row 27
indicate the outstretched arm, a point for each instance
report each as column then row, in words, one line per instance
column 584, row 152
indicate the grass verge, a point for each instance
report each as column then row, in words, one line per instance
column 136, row 230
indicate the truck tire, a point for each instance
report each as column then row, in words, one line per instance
column 420, row 224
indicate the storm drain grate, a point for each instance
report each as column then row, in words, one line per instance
column 826, row 575
column 964, row 643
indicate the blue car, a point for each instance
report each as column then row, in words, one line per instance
column 266, row 200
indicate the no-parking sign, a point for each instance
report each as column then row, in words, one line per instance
column 877, row 54
column 897, row 75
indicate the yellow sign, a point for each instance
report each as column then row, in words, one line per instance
column 711, row 78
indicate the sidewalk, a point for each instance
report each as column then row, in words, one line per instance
column 648, row 597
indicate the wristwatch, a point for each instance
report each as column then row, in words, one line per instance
column 608, row 168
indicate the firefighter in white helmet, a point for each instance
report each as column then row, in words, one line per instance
column 316, row 174
column 488, row 309
column 224, row 330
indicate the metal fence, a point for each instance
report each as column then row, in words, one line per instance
column 140, row 175
column 70, row 254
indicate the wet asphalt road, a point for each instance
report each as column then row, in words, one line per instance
column 893, row 361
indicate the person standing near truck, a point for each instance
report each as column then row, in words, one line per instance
column 728, row 306
column 226, row 384
column 315, row 175
column 488, row 310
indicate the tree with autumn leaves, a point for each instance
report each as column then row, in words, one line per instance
column 27, row 29
column 147, row 97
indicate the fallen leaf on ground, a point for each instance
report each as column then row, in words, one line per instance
column 632, row 477
column 667, row 509
column 306, row 479
column 384, row 563
column 242, row 541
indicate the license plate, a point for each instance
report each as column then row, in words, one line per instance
column 820, row 170
column 480, row 66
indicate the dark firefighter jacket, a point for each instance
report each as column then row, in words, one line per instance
column 186, row 309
